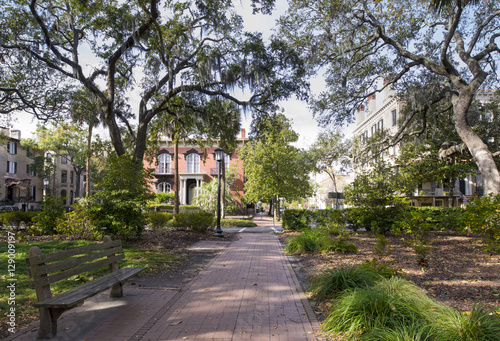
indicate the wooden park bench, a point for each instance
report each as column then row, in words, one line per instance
column 46, row 269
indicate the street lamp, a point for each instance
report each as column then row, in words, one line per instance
column 219, row 157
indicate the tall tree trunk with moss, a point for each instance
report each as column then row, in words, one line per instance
column 89, row 154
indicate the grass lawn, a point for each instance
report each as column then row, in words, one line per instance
column 154, row 259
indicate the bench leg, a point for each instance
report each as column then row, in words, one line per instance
column 116, row 290
column 48, row 323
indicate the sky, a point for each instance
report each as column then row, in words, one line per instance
column 297, row 111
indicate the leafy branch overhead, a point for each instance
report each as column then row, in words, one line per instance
column 153, row 50
column 429, row 57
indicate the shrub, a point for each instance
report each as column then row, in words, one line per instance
column 196, row 221
column 237, row 223
column 482, row 216
column 16, row 219
column 75, row 225
column 122, row 189
column 157, row 220
column 46, row 220
column 170, row 208
column 296, row 219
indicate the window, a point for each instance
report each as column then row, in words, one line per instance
column 164, row 187
column 193, row 163
column 33, row 193
column 12, row 147
column 64, row 196
column 11, row 167
column 164, row 161
column 394, row 118
column 64, row 176
column 64, row 159
column 380, row 125
column 71, row 177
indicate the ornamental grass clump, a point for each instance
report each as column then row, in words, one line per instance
column 481, row 323
column 387, row 305
column 318, row 240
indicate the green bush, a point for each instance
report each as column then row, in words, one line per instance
column 296, row 219
column 157, row 220
column 196, row 221
column 16, row 219
column 46, row 220
column 441, row 218
column 76, row 226
column 482, row 216
column 122, row 188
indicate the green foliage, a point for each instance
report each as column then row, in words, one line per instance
column 386, row 305
column 380, row 247
column 196, row 221
column 52, row 209
column 207, row 198
column 482, row 216
column 163, row 198
column 379, row 194
column 157, row 220
column 121, row 191
column 481, row 323
column 170, row 208
column 15, row 220
column 332, row 282
column 77, row 226
column 319, row 240
column 297, row 219
column 237, row 223
column 273, row 167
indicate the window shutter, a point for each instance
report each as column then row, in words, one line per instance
column 8, row 166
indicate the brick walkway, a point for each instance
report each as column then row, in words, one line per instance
column 248, row 292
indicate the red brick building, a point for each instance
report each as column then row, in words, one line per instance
column 196, row 166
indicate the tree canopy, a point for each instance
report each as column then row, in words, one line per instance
column 273, row 167
column 427, row 55
column 150, row 51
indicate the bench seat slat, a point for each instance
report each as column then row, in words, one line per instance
column 74, row 296
column 43, row 281
column 72, row 262
column 51, row 257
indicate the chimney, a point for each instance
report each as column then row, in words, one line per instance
column 372, row 104
column 243, row 133
column 360, row 115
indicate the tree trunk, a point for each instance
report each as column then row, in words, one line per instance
column 176, row 175
column 478, row 149
column 89, row 154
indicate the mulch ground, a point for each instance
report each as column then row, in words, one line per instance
column 458, row 272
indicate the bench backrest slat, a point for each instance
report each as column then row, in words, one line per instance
column 72, row 262
column 43, row 281
column 51, row 257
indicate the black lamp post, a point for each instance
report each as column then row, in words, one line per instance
column 219, row 157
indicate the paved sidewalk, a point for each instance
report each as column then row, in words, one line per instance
column 248, row 292
column 263, row 220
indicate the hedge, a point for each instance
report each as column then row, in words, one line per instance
column 381, row 219
column 14, row 219
column 170, row 208
column 196, row 221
